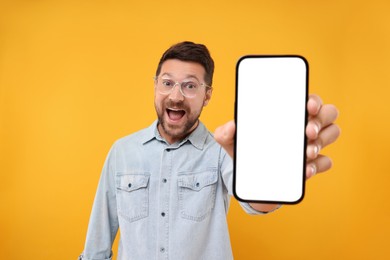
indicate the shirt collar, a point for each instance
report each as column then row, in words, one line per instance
column 150, row 133
column 197, row 138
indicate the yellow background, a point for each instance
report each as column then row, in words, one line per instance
column 77, row 75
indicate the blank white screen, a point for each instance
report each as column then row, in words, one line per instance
column 270, row 139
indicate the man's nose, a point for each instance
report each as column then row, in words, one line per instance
column 176, row 94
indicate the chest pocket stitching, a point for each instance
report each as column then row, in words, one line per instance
column 197, row 194
column 133, row 182
column 133, row 196
column 198, row 181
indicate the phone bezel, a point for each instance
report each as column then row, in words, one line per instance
column 237, row 129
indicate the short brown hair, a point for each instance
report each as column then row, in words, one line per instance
column 189, row 51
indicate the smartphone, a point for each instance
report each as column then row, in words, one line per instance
column 271, row 117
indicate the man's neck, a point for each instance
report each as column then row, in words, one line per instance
column 171, row 139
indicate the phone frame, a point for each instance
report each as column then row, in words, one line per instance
column 238, row 129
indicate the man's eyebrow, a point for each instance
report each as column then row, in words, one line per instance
column 166, row 74
column 192, row 77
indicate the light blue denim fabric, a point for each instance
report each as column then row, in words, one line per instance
column 169, row 201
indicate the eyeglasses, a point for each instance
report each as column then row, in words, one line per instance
column 188, row 89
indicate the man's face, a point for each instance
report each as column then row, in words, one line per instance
column 178, row 115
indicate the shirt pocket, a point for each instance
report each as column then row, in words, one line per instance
column 133, row 195
column 197, row 194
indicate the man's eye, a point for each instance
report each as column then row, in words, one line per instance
column 190, row 85
column 167, row 83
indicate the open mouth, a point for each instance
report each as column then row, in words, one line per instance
column 175, row 114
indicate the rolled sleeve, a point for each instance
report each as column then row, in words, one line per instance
column 248, row 209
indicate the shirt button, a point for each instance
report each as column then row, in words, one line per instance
column 164, row 180
column 163, row 214
column 162, row 250
column 197, row 184
column 129, row 185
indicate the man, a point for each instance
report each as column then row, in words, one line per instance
column 168, row 187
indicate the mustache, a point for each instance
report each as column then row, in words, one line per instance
column 177, row 105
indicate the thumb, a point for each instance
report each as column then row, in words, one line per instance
column 224, row 135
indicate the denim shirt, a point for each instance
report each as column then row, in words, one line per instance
column 169, row 201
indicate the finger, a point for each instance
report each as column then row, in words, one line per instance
column 320, row 164
column 326, row 116
column 314, row 104
column 224, row 135
column 326, row 137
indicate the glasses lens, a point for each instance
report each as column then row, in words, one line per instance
column 190, row 88
column 165, row 86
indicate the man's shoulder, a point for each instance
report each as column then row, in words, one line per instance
column 137, row 137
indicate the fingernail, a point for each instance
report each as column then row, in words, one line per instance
column 313, row 151
column 313, row 169
column 315, row 148
column 316, row 128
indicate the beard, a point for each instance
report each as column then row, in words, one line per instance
column 173, row 131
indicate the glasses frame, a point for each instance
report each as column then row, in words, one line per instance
column 181, row 87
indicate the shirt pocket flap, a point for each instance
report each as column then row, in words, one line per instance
column 197, row 181
column 132, row 182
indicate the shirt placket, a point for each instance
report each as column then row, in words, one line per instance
column 163, row 217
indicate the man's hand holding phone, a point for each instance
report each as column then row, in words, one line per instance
column 321, row 130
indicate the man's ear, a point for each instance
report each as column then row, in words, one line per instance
column 207, row 97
